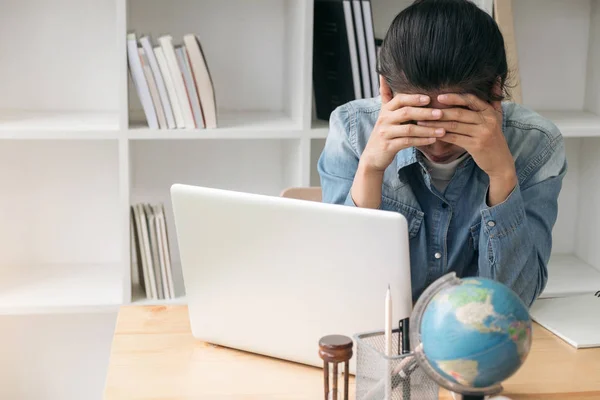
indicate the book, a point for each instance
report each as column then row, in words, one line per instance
column 139, row 80
column 163, row 248
column 153, row 246
column 361, row 41
column 146, row 43
column 574, row 319
column 190, row 85
column 166, row 42
column 162, row 121
column 170, row 86
column 143, row 247
column 371, row 45
column 352, row 47
column 203, row 79
column 151, row 251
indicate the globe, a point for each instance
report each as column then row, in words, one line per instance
column 471, row 334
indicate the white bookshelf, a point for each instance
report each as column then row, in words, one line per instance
column 72, row 134
column 75, row 151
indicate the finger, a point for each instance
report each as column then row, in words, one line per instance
column 454, row 127
column 410, row 130
column 410, row 114
column 404, row 142
column 466, row 100
column 461, row 115
column 403, row 100
column 466, row 142
column 384, row 90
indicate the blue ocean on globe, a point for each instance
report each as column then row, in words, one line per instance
column 476, row 333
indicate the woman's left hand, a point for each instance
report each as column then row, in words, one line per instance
column 476, row 126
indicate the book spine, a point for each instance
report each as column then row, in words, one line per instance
column 166, row 42
column 160, row 82
column 139, row 80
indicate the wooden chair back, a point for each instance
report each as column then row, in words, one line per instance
column 303, row 193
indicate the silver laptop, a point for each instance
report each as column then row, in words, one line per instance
column 272, row 275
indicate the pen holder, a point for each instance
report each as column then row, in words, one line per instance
column 395, row 377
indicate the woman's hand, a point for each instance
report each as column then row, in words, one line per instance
column 476, row 126
column 396, row 128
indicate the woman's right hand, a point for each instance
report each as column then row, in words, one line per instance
column 396, row 128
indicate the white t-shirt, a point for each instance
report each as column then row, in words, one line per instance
column 441, row 174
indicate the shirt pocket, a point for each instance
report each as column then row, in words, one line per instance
column 413, row 216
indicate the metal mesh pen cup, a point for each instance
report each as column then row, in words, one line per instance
column 405, row 379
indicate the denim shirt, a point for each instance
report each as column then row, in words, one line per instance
column 456, row 231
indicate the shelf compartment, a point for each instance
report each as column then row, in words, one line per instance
column 257, row 166
column 546, row 28
column 257, row 55
column 40, row 289
column 62, row 209
column 61, row 61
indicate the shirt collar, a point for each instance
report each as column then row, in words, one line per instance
column 406, row 157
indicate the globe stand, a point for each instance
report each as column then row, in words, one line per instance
column 467, row 392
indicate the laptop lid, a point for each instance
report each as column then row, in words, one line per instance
column 272, row 275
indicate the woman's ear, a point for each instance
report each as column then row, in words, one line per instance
column 384, row 90
column 497, row 92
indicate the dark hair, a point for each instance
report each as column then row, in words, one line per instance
column 435, row 45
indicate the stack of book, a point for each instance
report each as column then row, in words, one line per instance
column 172, row 81
column 150, row 251
column 345, row 51
column 344, row 54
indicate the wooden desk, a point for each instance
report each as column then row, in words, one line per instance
column 154, row 356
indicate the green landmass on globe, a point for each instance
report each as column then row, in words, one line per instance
column 476, row 333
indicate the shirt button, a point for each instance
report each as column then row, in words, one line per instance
column 491, row 224
column 438, row 255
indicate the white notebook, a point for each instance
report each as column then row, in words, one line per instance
column 569, row 276
column 575, row 319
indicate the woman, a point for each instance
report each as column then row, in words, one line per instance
column 476, row 178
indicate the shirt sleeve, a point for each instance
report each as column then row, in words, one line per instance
column 338, row 162
column 515, row 239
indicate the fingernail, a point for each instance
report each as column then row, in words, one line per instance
column 439, row 131
column 423, row 99
column 442, row 97
column 436, row 113
column 431, row 140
